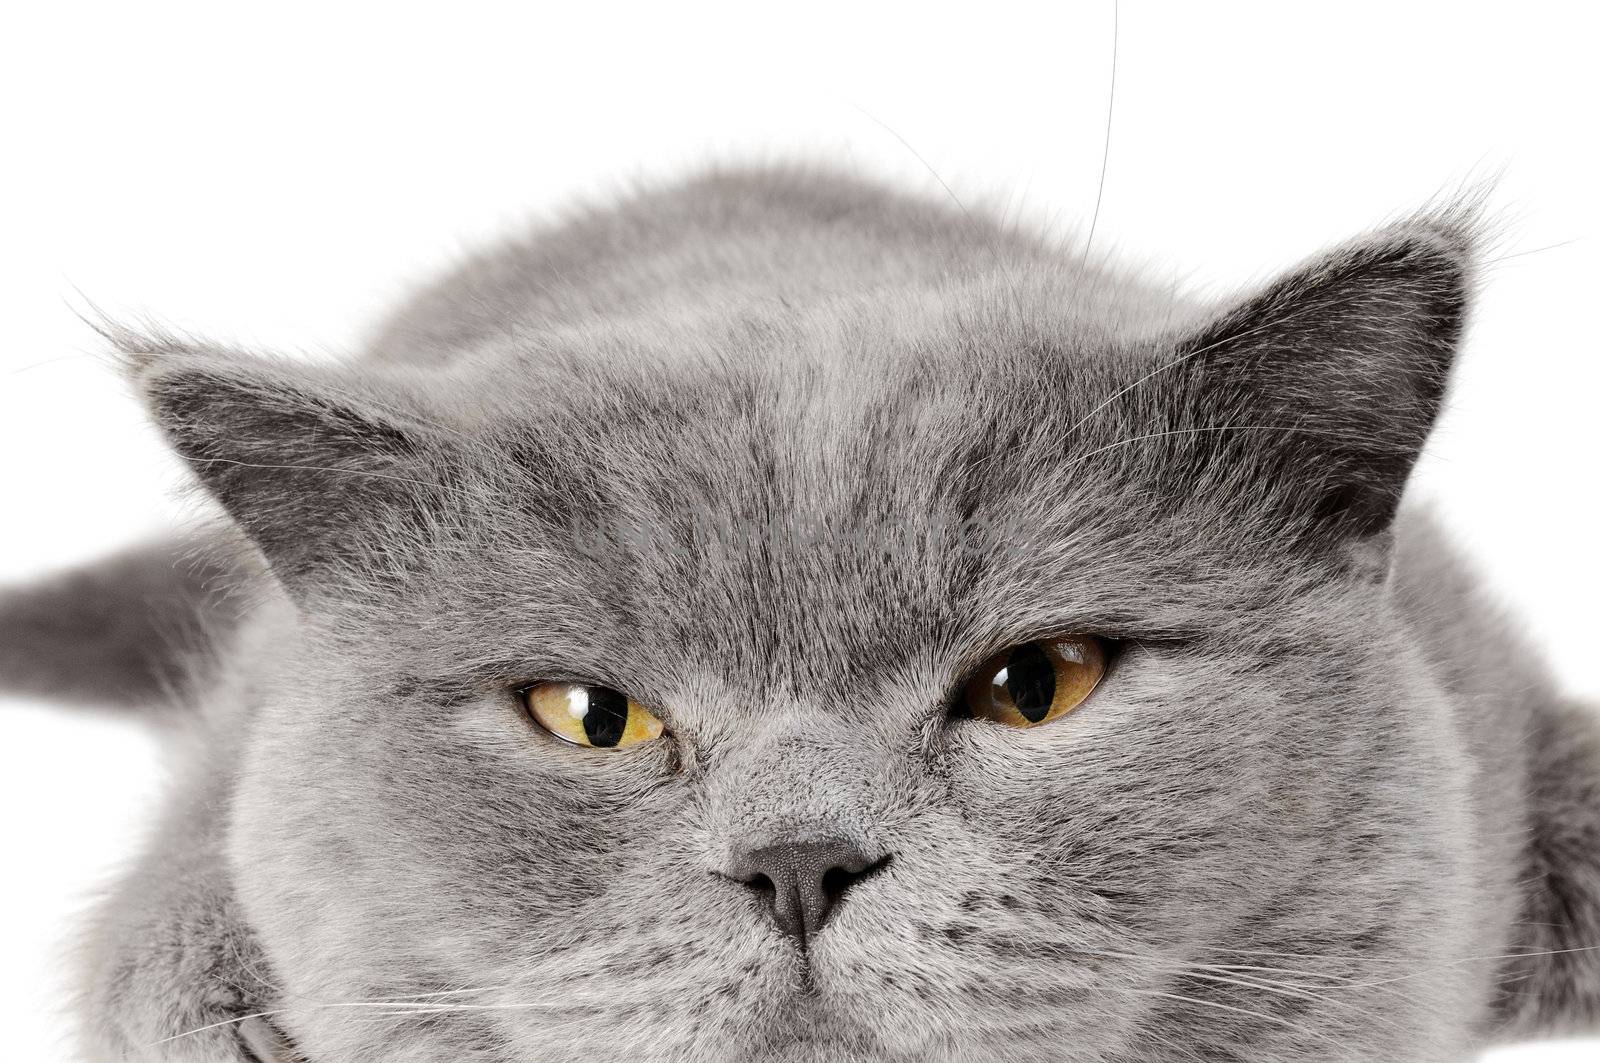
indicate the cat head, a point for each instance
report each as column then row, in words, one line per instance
column 790, row 541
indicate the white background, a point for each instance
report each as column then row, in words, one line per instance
column 276, row 176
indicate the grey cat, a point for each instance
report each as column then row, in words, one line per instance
column 779, row 618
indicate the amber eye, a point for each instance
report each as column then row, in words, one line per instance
column 1037, row 681
column 590, row 716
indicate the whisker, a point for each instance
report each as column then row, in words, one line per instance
column 1080, row 459
column 311, row 468
column 1232, row 337
column 990, row 243
column 217, row 1026
column 388, row 1007
column 1111, row 106
column 1276, row 1020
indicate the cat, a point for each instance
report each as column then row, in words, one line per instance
column 778, row 617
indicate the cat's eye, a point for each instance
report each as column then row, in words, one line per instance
column 1036, row 682
column 590, row 715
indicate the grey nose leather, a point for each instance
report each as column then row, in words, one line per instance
column 803, row 881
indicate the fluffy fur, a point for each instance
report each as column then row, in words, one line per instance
column 785, row 455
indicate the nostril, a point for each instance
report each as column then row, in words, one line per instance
column 760, row 883
column 840, row 878
column 836, row 881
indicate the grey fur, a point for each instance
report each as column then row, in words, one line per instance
column 784, row 454
column 139, row 628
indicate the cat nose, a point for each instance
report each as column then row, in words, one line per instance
column 802, row 881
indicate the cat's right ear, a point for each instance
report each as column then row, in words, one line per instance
column 1323, row 387
column 317, row 468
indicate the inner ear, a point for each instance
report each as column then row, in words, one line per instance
column 1336, row 372
column 316, row 468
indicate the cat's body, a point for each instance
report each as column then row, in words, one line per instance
column 783, row 455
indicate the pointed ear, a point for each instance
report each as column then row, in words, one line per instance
column 1337, row 370
column 313, row 467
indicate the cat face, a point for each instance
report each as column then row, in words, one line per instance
column 795, row 562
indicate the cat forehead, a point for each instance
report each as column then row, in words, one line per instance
column 809, row 525
column 801, row 458
column 796, row 403
column 835, row 345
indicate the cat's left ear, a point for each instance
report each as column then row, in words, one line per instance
column 1328, row 382
column 324, row 469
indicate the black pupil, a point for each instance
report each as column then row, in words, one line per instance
column 1031, row 681
column 607, row 716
